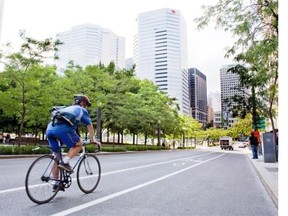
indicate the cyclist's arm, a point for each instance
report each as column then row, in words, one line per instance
column 91, row 134
column 85, row 119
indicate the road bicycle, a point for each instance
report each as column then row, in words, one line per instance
column 44, row 179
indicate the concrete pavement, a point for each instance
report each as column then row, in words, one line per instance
column 268, row 174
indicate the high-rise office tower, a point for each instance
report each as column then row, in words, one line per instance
column 198, row 95
column 1, row 16
column 214, row 100
column 129, row 64
column 90, row 44
column 160, row 53
column 229, row 83
column 210, row 115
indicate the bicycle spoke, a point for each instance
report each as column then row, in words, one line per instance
column 88, row 173
column 40, row 180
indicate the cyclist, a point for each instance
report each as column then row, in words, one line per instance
column 66, row 132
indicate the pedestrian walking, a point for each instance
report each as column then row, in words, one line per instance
column 254, row 142
column 257, row 134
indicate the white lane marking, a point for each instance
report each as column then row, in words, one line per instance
column 117, row 171
column 154, row 164
column 12, row 190
column 114, row 195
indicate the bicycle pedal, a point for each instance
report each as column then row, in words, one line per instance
column 62, row 189
column 58, row 187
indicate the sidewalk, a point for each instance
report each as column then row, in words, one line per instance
column 268, row 174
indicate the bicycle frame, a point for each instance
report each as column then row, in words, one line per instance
column 39, row 185
column 81, row 155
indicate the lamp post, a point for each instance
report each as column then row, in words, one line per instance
column 158, row 132
column 183, row 136
column 98, row 127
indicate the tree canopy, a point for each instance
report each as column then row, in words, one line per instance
column 29, row 89
column 254, row 25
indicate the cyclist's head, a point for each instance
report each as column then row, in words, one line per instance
column 82, row 98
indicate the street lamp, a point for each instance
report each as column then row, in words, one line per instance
column 158, row 132
column 184, row 129
column 98, row 127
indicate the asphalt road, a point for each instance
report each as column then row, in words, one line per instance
column 191, row 182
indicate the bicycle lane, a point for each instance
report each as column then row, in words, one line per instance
column 73, row 197
column 136, row 187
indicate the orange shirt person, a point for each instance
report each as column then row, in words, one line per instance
column 257, row 134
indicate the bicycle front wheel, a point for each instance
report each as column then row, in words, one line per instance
column 39, row 179
column 88, row 173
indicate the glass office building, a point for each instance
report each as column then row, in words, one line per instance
column 198, row 95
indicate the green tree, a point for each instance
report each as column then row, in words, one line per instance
column 242, row 127
column 143, row 110
column 19, row 79
column 214, row 134
column 188, row 128
column 254, row 24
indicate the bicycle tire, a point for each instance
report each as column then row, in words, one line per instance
column 88, row 173
column 39, row 181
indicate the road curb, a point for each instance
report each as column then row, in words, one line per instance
column 266, row 179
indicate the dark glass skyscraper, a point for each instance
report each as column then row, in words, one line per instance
column 198, row 95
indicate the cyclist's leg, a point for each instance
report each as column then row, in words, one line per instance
column 54, row 145
column 55, row 169
column 71, row 139
column 73, row 142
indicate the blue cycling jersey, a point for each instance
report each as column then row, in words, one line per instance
column 66, row 132
column 81, row 117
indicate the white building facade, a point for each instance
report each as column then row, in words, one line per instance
column 90, row 44
column 214, row 100
column 229, row 87
column 217, row 119
column 1, row 16
column 160, row 53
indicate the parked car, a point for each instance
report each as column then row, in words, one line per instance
column 246, row 143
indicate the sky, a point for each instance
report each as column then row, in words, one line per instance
column 45, row 18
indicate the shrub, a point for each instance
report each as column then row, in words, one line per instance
column 113, row 149
column 90, row 148
column 155, row 148
column 188, row 147
column 6, row 150
column 134, row 148
column 17, row 150
column 40, row 150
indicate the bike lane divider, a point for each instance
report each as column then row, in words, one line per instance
column 117, row 194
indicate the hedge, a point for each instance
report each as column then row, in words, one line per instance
column 33, row 149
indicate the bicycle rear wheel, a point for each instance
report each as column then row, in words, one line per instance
column 88, row 173
column 39, row 180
